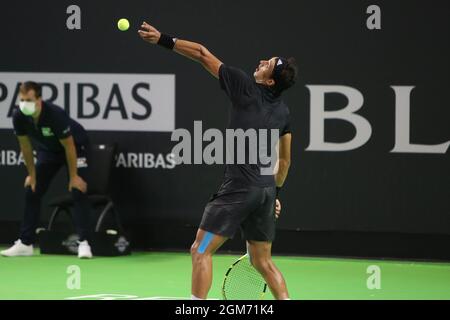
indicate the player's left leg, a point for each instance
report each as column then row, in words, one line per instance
column 259, row 231
column 202, row 250
column 261, row 259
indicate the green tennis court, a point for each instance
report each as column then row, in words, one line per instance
column 157, row 275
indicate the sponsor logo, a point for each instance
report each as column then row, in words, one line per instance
column 121, row 244
column 47, row 132
column 145, row 160
column 71, row 243
column 132, row 160
column 67, row 130
column 82, row 163
column 363, row 128
column 100, row 102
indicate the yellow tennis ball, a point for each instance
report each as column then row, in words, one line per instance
column 123, row 24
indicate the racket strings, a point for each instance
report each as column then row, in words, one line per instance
column 244, row 282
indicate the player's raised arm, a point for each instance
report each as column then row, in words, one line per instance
column 284, row 161
column 189, row 49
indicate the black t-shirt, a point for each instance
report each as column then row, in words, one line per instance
column 53, row 124
column 254, row 106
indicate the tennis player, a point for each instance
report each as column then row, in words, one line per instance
column 246, row 199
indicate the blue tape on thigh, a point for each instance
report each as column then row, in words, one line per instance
column 205, row 242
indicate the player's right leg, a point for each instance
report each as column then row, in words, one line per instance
column 221, row 220
column 205, row 245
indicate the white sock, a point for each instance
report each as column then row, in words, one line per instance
column 195, row 298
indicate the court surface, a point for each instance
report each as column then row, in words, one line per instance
column 155, row 275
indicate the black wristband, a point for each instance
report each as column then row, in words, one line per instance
column 167, row 41
column 278, row 192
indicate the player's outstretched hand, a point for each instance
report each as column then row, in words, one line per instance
column 277, row 208
column 149, row 33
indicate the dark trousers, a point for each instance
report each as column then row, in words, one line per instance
column 47, row 166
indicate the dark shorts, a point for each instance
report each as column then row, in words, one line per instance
column 236, row 205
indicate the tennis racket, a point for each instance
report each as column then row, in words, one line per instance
column 243, row 282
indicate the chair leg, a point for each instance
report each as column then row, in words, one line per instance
column 109, row 208
column 55, row 214
column 102, row 216
column 118, row 222
column 53, row 217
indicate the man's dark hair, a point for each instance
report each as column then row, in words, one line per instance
column 31, row 85
column 284, row 74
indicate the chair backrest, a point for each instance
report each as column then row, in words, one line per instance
column 101, row 158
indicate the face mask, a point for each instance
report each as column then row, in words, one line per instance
column 28, row 108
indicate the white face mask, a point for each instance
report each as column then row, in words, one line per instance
column 28, row 108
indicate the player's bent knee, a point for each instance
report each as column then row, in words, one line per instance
column 194, row 248
column 204, row 245
column 196, row 253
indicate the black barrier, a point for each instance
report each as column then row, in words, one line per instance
column 395, row 180
column 104, row 242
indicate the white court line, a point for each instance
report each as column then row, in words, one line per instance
column 113, row 296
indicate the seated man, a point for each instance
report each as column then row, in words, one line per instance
column 60, row 141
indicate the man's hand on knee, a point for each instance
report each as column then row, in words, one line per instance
column 30, row 181
column 78, row 183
